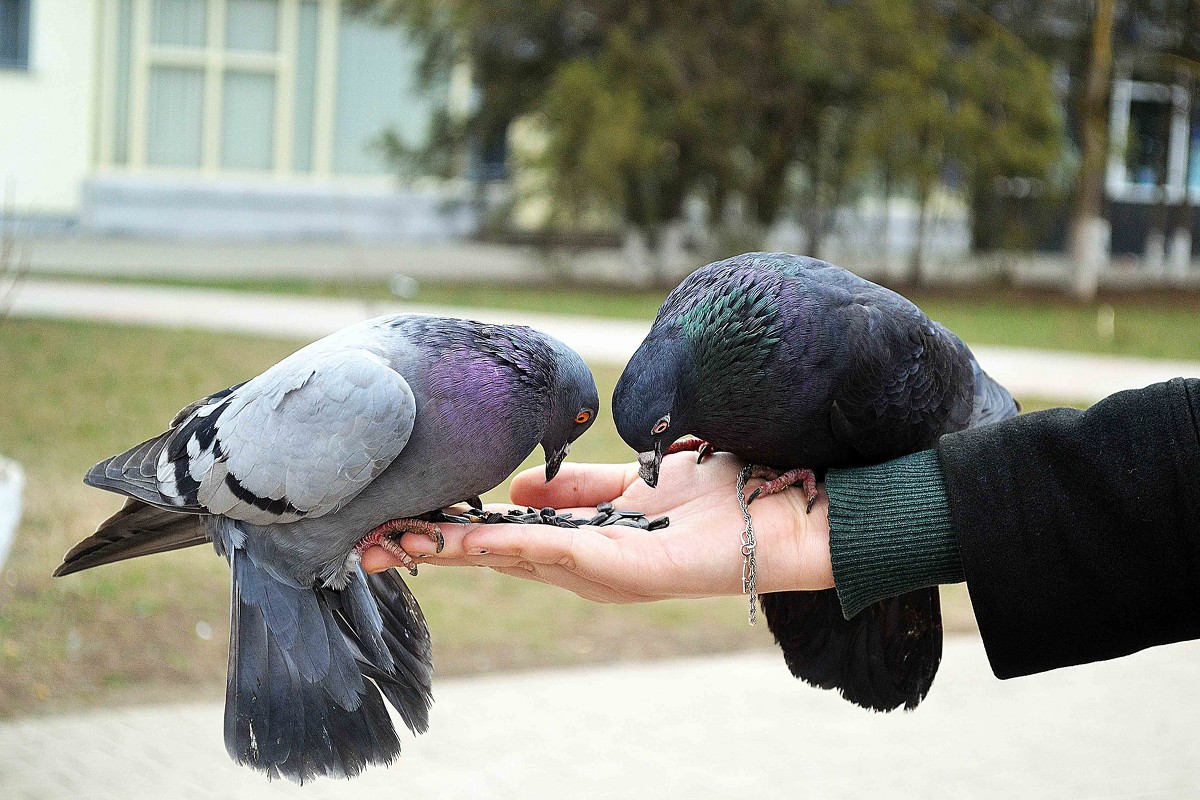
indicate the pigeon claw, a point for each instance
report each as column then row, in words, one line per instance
column 702, row 448
column 778, row 481
column 388, row 536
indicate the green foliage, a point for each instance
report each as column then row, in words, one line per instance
column 1010, row 125
column 953, row 90
column 596, row 133
column 788, row 105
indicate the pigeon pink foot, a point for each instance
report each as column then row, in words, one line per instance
column 701, row 447
column 778, row 481
column 388, row 534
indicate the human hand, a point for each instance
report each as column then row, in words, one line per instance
column 698, row 555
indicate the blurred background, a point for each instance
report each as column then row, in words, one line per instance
column 190, row 189
column 924, row 142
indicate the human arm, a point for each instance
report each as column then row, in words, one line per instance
column 1079, row 531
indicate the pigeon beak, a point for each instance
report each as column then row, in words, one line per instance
column 648, row 465
column 554, row 461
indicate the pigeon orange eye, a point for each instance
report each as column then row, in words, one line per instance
column 662, row 425
column 582, row 417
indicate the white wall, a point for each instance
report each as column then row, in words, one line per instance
column 46, row 113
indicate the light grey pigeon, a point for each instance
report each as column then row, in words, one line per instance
column 291, row 474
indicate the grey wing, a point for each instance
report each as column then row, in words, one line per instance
column 298, row 441
column 992, row 401
column 904, row 385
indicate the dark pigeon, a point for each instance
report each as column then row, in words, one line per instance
column 285, row 474
column 790, row 362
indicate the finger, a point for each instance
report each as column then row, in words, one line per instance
column 499, row 508
column 543, row 543
column 565, row 579
column 376, row 559
column 575, row 485
column 580, row 551
column 420, row 546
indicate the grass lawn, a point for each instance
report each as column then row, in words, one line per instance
column 1153, row 325
column 156, row 628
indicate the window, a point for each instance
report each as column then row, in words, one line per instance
column 254, row 88
column 1149, row 129
column 373, row 65
column 192, row 62
column 1146, row 144
column 14, row 34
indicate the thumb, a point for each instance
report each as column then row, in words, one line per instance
column 575, row 486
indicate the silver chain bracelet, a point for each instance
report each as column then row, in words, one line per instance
column 749, row 585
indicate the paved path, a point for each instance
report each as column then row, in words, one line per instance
column 1056, row 375
column 150, row 258
column 722, row 727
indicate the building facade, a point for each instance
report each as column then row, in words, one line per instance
column 243, row 117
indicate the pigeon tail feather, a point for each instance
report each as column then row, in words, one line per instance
column 883, row 658
column 381, row 618
column 136, row 530
column 306, row 667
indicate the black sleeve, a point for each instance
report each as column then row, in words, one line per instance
column 1079, row 531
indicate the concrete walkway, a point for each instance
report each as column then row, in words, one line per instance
column 147, row 257
column 723, row 727
column 1056, row 375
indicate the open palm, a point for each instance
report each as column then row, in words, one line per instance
column 698, row 555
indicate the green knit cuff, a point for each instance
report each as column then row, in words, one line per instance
column 890, row 530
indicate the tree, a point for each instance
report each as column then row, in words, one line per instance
column 1088, row 245
column 1009, row 125
column 957, row 94
column 791, row 106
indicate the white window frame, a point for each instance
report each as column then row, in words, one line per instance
column 1124, row 93
column 214, row 59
